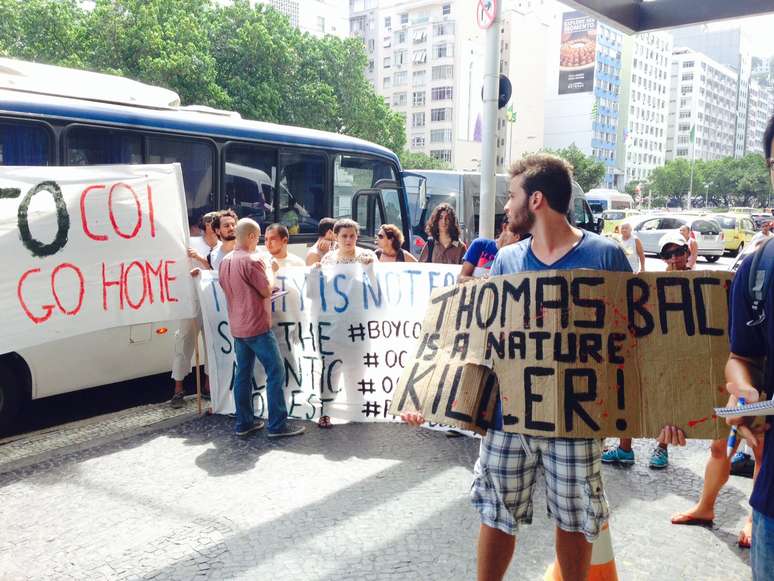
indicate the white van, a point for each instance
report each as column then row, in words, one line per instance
column 601, row 199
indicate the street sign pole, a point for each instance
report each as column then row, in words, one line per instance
column 489, row 125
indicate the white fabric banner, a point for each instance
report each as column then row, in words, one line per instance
column 345, row 332
column 90, row 248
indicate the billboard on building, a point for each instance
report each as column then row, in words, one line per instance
column 577, row 53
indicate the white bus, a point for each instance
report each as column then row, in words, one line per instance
column 601, row 200
column 272, row 173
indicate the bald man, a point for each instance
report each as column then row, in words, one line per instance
column 248, row 288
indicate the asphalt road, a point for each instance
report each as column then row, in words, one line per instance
column 84, row 404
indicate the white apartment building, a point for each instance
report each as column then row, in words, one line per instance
column 644, row 103
column 703, row 97
column 426, row 59
column 317, row 17
column 759, row 110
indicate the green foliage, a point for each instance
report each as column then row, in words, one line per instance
column 588, row 171
column 412, row 160
column 234, row 56
column 722, row 182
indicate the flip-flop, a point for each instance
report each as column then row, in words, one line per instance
column 743, row 544
column 324, row 422
column 692, row 521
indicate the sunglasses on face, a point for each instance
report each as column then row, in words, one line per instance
column 667, row 254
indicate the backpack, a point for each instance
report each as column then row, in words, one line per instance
column 759, row 281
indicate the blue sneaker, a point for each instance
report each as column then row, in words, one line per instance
column 617, row 456
column 660, row 459
column 739, row 457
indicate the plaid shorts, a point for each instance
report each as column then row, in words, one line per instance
column 505, row 476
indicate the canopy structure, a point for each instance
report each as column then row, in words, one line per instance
column 631, row 16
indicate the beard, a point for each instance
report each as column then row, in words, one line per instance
column 228, row 238
column 521, row 222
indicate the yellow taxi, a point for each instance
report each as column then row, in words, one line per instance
column 738, row 229
column 613, row 220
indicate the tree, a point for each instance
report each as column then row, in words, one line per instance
column 413, row 160
column 588, row 171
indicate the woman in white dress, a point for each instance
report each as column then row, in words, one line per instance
column 632, row 247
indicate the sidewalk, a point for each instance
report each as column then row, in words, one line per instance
column 361, row 501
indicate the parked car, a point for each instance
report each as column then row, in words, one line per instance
column 708, row 233
column 613, row 220
column 738, row 230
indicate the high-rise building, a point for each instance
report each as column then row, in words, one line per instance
column 759, row 111
column 646, row 72
column 702, row 107
column 318, row 17
column 427, row 60
column 729, row 47
column 583, row 88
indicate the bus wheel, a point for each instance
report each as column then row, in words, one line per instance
column 11, row 398
column 712, row 258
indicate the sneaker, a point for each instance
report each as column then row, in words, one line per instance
column 258, row 425
column 742, row 465
column 287, row 431
column 618, row 456
column 660, row 459
column 178, row 400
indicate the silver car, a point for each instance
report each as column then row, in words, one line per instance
column 708, row 233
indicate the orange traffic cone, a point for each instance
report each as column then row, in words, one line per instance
column 602, row 561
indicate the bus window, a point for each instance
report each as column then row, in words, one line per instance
column 197, row 158
column 353, row 173
column 24, row 144
column 249, row 182
column 99, row 146
column 302, row 200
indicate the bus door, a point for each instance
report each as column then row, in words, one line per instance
column 369, row 211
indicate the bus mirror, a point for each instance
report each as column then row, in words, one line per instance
column 365, row 205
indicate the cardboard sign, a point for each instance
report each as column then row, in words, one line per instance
column 345, row 333
column 89, row 248
column 576, row 354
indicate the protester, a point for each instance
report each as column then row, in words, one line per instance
column 539, row 196
column 325, row 241
column 347, row 251
column 188, row 330
column 276, row 240
column 389, row 239
column 443, row 244
column 693, row 246
column 481, row 254
column 673, row 249
column 759, row 237
column 224, row 225
column 248, row 289
column 750, row 363
column 633, row 249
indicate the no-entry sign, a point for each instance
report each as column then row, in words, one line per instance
column 485, row 13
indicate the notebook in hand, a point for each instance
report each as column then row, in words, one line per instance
column 761, row 408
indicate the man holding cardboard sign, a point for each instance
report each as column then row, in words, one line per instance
column 539, row 195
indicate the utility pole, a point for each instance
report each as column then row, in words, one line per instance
column 489, row 133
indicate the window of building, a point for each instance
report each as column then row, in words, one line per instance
column 442, row 154
column 418, row 78
column 420, row 57
column 418, row 99
column 443, row 50
column 443, row 28
column 446, row 10
column 420, row 36
column 401, row 37
column 321, row 24
column 386, row 62
column 418, row 120
column 418, row 141
column 442, row 72
column 440, row 135
column 388, row 22
column 387, row 82
column 400, row 78
column 442, row 114
column 399, row 99
column 441, row 93
column 371, row 66
column 371, row 45
column 404, row 18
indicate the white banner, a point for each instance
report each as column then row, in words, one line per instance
column 90, row 248
column 345, row 332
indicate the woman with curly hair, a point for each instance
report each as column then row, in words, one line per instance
column 443, row 244
column 390, row 239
